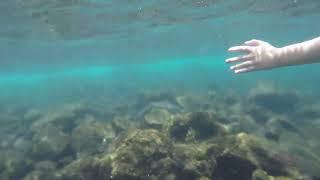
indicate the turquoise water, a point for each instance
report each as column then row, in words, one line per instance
column 113, row 58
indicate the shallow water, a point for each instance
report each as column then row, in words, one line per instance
column 111, row 59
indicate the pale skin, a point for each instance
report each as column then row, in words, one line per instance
column 260, row 55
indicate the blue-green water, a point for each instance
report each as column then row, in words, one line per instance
column 111, row 60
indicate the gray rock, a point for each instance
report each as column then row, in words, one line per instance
column 49, row 142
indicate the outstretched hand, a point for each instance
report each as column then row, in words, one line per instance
column 259, row 55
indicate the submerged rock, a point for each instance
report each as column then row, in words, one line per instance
column 308, row 112
column 157, row 100
column 272, row 135
column 266, row 156
column 144, row 154
column 165, row 105
column 149, row 97
column 65, row 118
column 274, row 100
column 261, row 175
column 2, row 160
column 259, row 114
column 32, row 115
column 40, row 175
column 230, row 166
column 194, row 160
column 201, row 124
column 22, row 144
column 188, row 103
column 85, row 168
column 205, row 125
column 45, row 166
column 42, row 170
column 15, row 165
column 157, row 117
column 49, row 142
column 91, row 137
column 283, row 125
column 123, row 123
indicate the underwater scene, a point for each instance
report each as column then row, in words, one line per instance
column 139, row 90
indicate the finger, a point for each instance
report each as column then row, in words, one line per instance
column 253, row 42
column 244, row 70
column 245, row 49
column 239, row 59
column 242, row 65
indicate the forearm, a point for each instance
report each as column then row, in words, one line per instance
column 302, row 53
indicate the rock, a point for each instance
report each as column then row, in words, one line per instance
column 65, row 160
column 11, row 126
column 302, row 157
column 261, row 175
column 277, row 162
column 308, row 112
column 164, row 100
column 240, row 155
column 230, row 166
column 45, row 166
column 259, row 114
column 40, row 175
column 2, row 160
column 122, row 124
column 156, row 118
column 188, row 103
column 205, row 125
column 143, row 154
column 32, row 115
column 272, row 135
column 85, row 168
column 15, row 165
column 7, row 140
column 194, row 160
column 22, row 144
column 64, row 118
column 201, row 124
column 274, row 100
column 147, row 105
column 283, row 125
column 246, row 124
column 149, row 97
column 49, row 142
column 178, row 128
column 91, row 137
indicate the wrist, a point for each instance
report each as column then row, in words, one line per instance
column 291, row 55
column 281, row 57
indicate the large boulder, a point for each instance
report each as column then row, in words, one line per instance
column 241, row 155
column 143, row 154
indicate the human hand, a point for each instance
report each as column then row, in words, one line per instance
column 259, row 55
